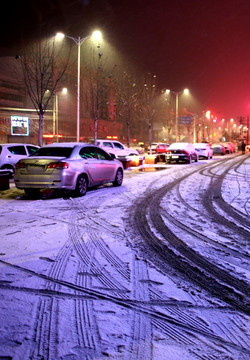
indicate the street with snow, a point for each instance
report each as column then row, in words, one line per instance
column 157, row 268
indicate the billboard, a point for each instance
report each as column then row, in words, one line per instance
column 19, row 125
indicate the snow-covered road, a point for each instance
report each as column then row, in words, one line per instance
column 155, row 269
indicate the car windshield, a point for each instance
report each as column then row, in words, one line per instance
column 54, row 151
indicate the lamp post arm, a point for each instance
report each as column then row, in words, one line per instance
column 77, row 40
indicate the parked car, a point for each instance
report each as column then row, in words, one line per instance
column 233, row 146
column 228, row 147
column 181, row 152
column 218, row 149
column 162, row 148
column 158, row 148
column 204, row 150
column 70, row 166
column 11, row 153
column 116, row 148
column 153, row 148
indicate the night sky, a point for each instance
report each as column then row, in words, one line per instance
column 200, row 44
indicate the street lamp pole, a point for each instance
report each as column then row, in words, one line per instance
column 177, row 93
column 176, row 114
column 79, row 41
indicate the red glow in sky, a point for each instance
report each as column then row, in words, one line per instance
column 201, row 45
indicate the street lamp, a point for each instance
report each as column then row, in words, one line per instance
column 177, row 93
column 63, row 91
column 79, row 41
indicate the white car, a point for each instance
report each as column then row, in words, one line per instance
column 204, row 150
column 116, row 148
column 11, row 153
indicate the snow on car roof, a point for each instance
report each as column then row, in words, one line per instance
column 180, row 144
column 67, row 144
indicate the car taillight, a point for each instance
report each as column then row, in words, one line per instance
column 58, row 165
column 20, row 165
column 168, row 152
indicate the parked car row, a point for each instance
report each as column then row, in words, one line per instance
column 223, row 148
column 79, row 166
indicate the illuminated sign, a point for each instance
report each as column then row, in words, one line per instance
column 19, row 125
column 111, row 137
column 50, row 136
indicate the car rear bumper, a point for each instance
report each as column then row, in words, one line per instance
column 177, row 157
column 50, row 181
column 42, row 185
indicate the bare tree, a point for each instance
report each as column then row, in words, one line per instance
column 43, row 65
column 97, row 91
column 126, row 89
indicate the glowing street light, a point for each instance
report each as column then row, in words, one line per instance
column 79, row 41
column 177, row 93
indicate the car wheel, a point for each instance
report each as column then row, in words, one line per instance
column 81, row 186
column 118, row 178
column 196, row 159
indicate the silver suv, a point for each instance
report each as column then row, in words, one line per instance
column 11, row 153
column 116, row 148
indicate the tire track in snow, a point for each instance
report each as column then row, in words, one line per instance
column 187, row 260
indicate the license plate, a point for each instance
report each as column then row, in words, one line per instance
column 175, row 157
column 38, row 169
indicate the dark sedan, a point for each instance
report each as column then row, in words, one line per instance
column 181, row 152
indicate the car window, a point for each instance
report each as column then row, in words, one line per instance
column 54, row 151
column 31, row 149
column 91, row 152
column 107, row 144
column 17, row 150
column 101, row 155
column 87, row 152
column 118, row 145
